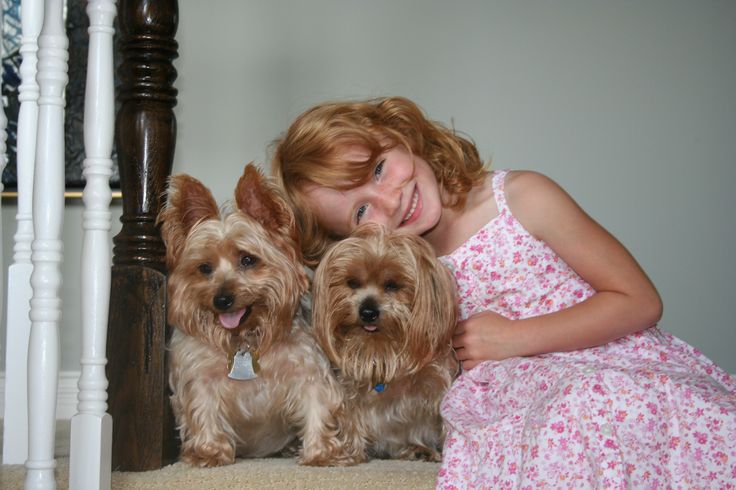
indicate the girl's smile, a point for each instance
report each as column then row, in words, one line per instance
column 414, row 212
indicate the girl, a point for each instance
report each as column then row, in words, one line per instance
column 567, row 382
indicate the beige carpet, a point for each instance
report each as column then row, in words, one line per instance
column 265, row 474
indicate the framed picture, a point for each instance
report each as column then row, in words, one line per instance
column 77, row 24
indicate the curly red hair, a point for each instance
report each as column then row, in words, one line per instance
column 312, row 152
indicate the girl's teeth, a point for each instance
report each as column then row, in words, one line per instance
column 414, row 201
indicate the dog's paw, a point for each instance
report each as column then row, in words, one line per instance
column 208, row 455
column 332, row 456
column 420, row 453
column 291, row 450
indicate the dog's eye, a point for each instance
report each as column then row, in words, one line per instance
column 391, row 286
column 205, row 269
column 353, row 283
column 248, row 260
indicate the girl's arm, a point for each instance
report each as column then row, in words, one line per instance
column 625, row 300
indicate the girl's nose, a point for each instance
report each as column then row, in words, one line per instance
column 388, row 200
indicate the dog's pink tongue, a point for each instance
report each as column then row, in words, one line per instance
column 231, row 320
column 370, row 328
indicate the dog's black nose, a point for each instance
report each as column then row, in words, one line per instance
column 369, row 310
column 223, row 301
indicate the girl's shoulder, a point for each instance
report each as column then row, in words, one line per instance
column 516, row 188
column 540, row 204
column 525, row 184
column 522, row 193
column 534, row 199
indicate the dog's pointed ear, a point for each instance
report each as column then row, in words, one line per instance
column 188, row 203
column 259, row 198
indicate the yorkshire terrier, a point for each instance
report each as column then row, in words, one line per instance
column 384, row 312
column 247, row 377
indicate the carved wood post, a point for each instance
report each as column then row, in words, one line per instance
column 143, row 426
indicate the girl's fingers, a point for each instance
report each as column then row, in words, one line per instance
column 457, row 338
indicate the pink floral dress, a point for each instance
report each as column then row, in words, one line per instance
column 645, row 411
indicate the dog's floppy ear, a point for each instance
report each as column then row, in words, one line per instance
column 435, row 309
column 189, row 202
column 323, row 303
column 260, row 199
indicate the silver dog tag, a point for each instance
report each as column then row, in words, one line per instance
column 242, row 366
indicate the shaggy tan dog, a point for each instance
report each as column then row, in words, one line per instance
column 247, row 378
column 384, row 313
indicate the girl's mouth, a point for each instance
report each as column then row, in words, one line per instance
column 412, row 213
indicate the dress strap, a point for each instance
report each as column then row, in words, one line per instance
column 498, row 181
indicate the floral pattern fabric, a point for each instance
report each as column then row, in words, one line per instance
column 645, row 411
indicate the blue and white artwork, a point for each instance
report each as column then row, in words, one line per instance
column 77, row 24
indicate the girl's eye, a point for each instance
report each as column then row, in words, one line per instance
column 205, row 269
column 376, row 175
column 360, row 213
column 378, row 170
column 248, row 261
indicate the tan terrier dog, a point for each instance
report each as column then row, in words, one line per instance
column 384, row 312
column 248, row 380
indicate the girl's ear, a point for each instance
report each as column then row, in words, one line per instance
column 189, row 202
column 259, row 198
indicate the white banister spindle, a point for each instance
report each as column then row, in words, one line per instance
column 46, row 251
column 31, row 20
column 91, row 436
column 3, row 161
column 18, row 327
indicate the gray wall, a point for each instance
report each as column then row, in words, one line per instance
column 629, row 105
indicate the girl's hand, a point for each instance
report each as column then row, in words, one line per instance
column 482, row 337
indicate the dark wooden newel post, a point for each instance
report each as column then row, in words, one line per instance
column 143, row 425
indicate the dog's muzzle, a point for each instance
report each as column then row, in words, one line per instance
column 369, row 312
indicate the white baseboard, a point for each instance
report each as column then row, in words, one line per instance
column 66, row 397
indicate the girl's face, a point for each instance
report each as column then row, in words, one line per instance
column 402, row 194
